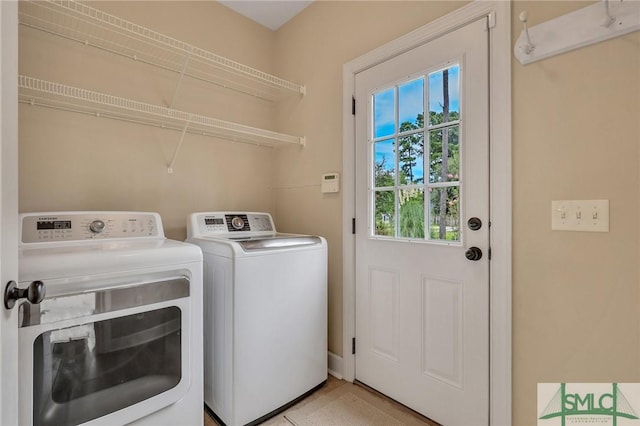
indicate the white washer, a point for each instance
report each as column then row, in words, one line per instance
column 265, row 314
column 117, row 338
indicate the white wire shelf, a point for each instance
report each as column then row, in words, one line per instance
column 34, row 91
column 90, row 26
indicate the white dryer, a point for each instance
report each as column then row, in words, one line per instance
column 113, row 333
column 265, row 314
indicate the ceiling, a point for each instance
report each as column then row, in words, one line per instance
column 271, row 14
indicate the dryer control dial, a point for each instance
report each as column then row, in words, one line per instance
column 237, row 222
column 97, row 226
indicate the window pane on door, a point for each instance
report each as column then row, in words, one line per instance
column 385, row 163
column 444, row 95
column 444, row 213
column 444, row 155
column 385, row 208
column 412, row 213
column 411, row 105
column 411, row 159
column 384, row 113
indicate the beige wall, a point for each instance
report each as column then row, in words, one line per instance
column 576, row 135
column 75, row 162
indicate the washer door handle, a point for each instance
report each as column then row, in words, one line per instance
column 34, row 293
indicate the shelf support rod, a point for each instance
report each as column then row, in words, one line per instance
column 184, row 70
column 175, row 153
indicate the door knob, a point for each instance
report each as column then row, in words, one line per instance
column 473, row 253
column 34, row 293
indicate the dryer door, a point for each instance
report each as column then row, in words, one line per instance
column 105, row 355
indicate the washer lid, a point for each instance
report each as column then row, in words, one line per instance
column 280, row 241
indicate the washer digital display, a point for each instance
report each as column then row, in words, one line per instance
column 53, row 224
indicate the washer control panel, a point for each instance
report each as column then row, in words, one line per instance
column 78, row 226
column 216, row 223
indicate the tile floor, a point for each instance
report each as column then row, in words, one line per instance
column 331, row 385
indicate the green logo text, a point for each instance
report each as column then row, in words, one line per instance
column 565, row 404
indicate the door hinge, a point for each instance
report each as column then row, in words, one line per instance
column 353, row 105
column 353, row 346
column 353, row 225
column 489, row 254
column 491, row 21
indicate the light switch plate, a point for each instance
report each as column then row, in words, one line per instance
column 580, row 215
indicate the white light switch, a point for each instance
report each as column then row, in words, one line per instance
column 580, row 215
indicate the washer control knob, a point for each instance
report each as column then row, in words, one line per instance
column 237, row 222
column 97, row 226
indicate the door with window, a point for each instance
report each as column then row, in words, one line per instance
column 422, row 241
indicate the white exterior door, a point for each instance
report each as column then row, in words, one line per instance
column 8, row 208
column 422, row 240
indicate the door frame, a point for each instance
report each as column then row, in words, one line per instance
column 499, row 13
column 8, row 208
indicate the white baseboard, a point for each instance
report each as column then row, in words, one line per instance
column 335, row 365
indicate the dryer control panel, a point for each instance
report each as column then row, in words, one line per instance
column 78, row 226
column 240, row 223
